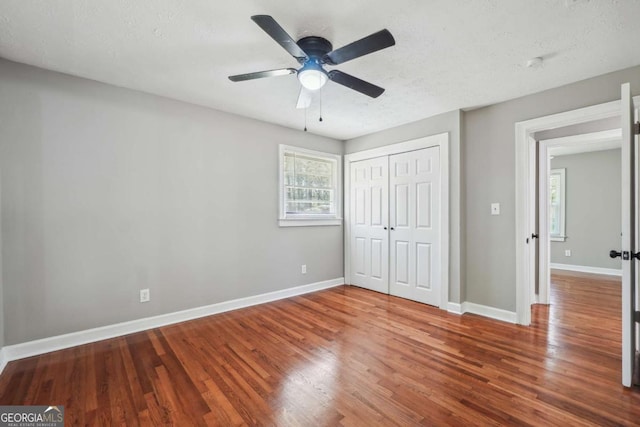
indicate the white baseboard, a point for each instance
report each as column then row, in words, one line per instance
column 492, row 312
column 454, row 308
column 482, row 310
column 46, row 345
column 586, row 269
column 3, row 359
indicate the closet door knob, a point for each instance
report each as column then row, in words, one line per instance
column 385, row 228
column 391, row 228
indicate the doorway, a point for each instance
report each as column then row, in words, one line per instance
column 578, row 205
column 526, row 212
column 526, row 194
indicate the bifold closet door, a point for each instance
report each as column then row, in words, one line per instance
column 415, row 225
column 369, row 224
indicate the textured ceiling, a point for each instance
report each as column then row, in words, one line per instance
column 448, row 54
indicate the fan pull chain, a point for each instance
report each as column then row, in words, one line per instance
column 305, row 119
column 320, row 119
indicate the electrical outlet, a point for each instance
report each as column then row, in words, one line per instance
column 145, row 295
column 567, row 252
column 303, row 270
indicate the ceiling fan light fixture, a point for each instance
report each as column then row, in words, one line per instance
column 313, row 52
column 312, row 76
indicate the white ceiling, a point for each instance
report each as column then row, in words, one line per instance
column 448, row 54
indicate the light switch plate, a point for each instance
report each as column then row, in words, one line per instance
column 145, row 295
column 495, row 208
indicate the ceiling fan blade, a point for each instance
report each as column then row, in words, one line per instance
column 261, row 74
column 304, row 98
column 372, row 43
column 355, row 83
column 271, row 27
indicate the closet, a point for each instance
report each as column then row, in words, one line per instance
column 395, row 224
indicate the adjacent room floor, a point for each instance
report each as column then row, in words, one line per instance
column 353, row 357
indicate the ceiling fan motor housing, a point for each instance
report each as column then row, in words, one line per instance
column 315, row 47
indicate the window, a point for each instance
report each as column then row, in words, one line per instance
column 557, row 181
column 310, row 187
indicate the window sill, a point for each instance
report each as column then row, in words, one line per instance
column 558, row 239
column 308, row 222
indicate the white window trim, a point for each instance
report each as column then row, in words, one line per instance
column 563, row 204
column 285, row 220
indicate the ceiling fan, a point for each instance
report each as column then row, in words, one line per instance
column 313, row 53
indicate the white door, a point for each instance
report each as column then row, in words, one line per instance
column 629, row 246
column 369, row 222
column 415, row 225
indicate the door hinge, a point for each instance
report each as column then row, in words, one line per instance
column 637, row 317
column 636, row 128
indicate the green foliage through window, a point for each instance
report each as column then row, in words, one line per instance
column 309, row 184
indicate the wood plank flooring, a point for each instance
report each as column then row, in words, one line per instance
column 347, row 356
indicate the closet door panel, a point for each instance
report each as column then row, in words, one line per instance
column 415, row 225
column 369, row 222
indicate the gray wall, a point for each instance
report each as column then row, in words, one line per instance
column 593, row 220
column 489, row 175
column 448, row 122
column 106, row 191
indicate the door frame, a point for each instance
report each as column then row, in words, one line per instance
column 526, row 155
column 440, row 140
column 544, row 257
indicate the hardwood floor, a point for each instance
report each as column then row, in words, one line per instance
column 347, row 356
